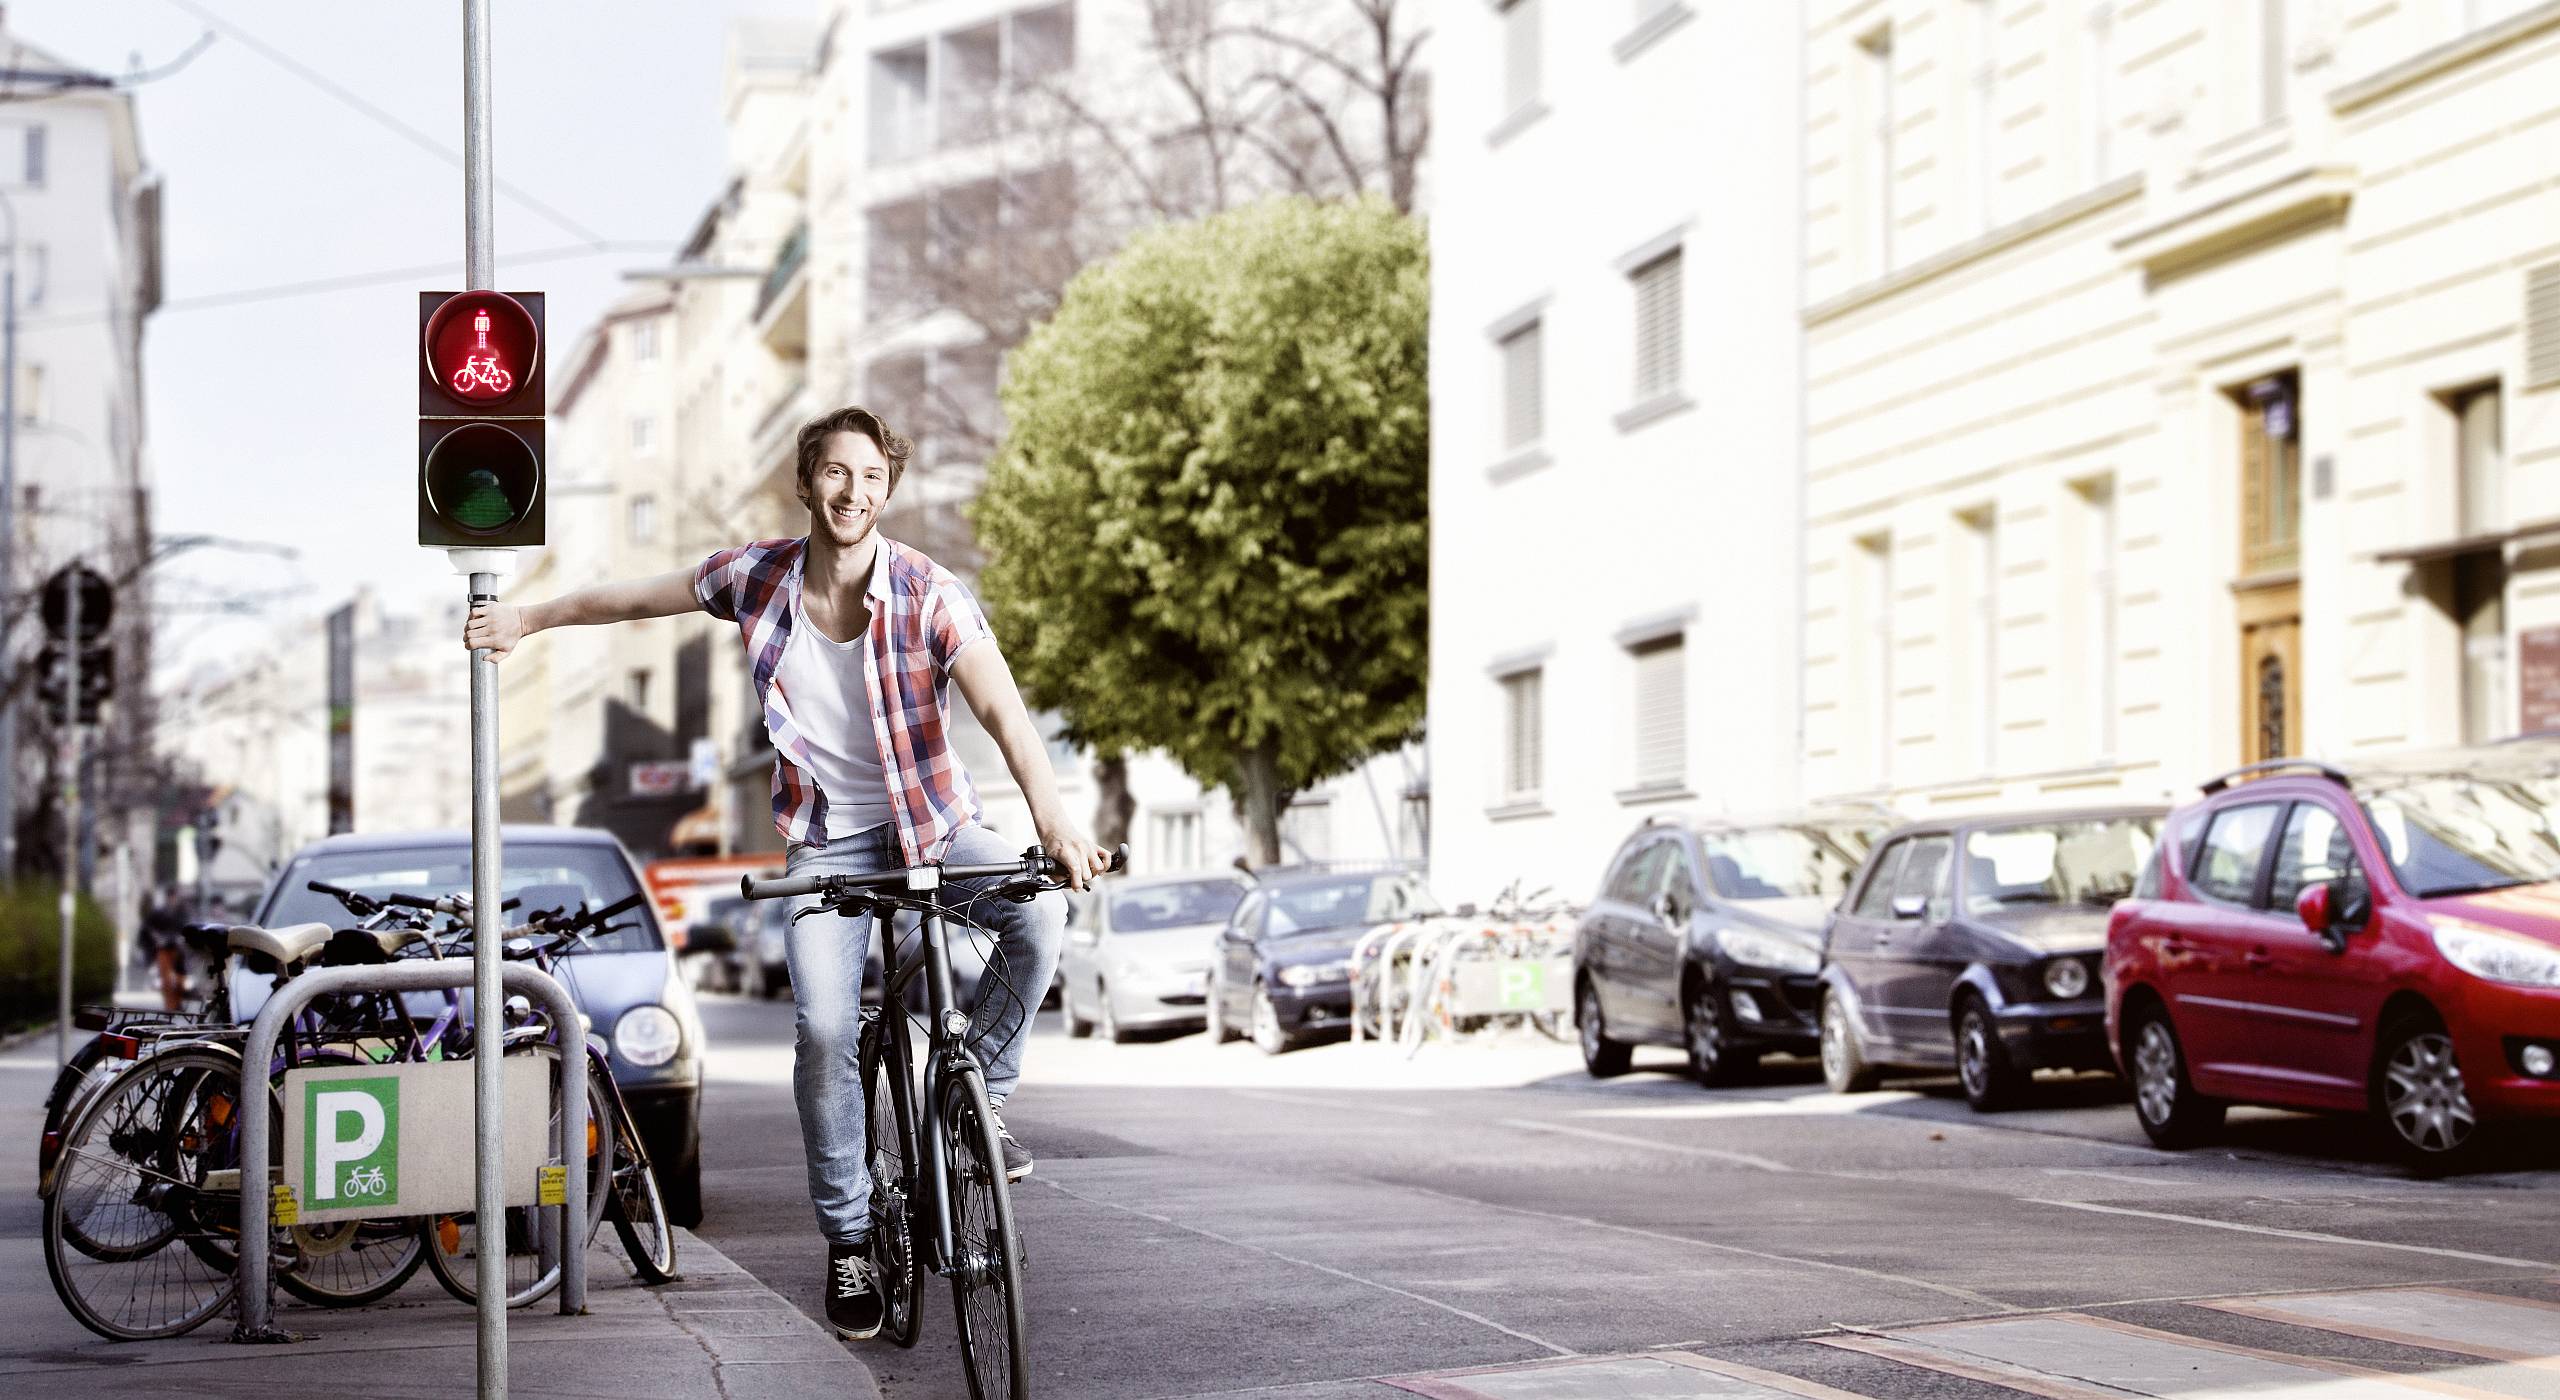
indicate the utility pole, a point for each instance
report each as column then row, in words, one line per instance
column 8, row 538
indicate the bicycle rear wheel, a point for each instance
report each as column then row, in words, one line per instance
column 453, row 1242
column 639, row 1213
column 139, row 1238
column 986, row 1278
column 889, row 1134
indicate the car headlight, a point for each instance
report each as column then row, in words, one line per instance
column 647, row 1036
column 2496, row 955
column 1759, row 948
column 2066, row 978
column 1309, row 974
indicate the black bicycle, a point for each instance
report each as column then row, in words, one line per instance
column 939, row 1198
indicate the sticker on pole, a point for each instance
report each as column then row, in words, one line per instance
column 553, row 1188
column 286, row 1211
column 385, row 1140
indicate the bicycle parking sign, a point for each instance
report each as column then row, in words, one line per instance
column 395, row 1139
column 351, row 1148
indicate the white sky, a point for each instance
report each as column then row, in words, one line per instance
column 293, row 419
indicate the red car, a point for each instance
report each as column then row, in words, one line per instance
column 2381, row 939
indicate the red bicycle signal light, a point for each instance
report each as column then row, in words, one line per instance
column 480, row 353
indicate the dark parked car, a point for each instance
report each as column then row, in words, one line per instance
column 625, row 981
column 2382, row 938
column 1707, row 935
column 1973, row 943
column 1282, row 969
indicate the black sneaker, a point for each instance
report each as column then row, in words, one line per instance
column 853, row 1298
column 1017, row 1158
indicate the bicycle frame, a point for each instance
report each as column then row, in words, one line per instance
column 947, row 1054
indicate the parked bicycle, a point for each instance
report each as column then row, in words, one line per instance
column 939, row 1198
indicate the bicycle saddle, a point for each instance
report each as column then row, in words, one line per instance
column 289, row 945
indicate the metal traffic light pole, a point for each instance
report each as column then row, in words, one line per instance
column 69, row 816
column 487, row 952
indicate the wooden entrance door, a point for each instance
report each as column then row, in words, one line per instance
column 2270, row 672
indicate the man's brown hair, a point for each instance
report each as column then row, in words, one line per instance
column 814, row 435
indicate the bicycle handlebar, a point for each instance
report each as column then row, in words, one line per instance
column 362, row 905
column 1035, row 864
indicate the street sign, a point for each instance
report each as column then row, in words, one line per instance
column 481, row 400
column 365, row 1141
column 660, row 778
column 97, row 603
column 1496, row 986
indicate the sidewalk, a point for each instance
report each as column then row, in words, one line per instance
column 716, row 1333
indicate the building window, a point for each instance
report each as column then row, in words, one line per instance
column 2271, row 475
column 2097, row 84
column 1306, row 828
column 1981, row 541
column 644, row 341
column 1523, row 386
column 35, row 156
column 1875, row 561
column 31, row 392
column 1176, row 838
column 2098, row 629
column 32, row 281
column 1661, row 713
column 2273, row 65
column 644, row 435
column 644, row 519
column 1875, row 74
column 636, row 689
column 1523, row 736
column 1657, row 288
column 1982, row 106
column 1519, row 55
column 2479, row 582
column 2481, row 458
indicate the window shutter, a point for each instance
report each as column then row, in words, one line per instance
column 1522, row 756
column 1523, row 387
column 1519, row 55
column 1657, row 285
column 2542, row 326
column 1661, row 720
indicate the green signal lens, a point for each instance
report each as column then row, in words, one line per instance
column 482, row 503
column 482, row 479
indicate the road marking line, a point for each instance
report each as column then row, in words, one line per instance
column 1449, row 1308
column 2110, row 1176
column 2307, row 1236
column 1982, row 1301
column 1308, row 1101
column 2298, row 1310
column 1742, row 1159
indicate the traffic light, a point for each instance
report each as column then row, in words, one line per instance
column 77, row 589
column 97, row 680
column 481, row 398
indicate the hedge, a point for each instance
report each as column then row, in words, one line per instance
column 30, row 940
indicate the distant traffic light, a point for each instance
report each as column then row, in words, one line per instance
column 481, row 399
column 97, row 680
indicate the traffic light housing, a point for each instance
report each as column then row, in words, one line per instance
column 481, row 399
column 97, row 680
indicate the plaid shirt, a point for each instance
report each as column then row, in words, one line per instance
column 921, row 618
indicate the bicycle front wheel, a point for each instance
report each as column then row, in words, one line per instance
column 528, row 1235
column 986, row 1278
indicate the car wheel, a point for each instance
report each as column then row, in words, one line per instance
column 1602, row 1056
column 2419, row 1096
column 1992, row 1081
column 1844, row 1060
column 1267, row 1035
column 1219, row 1031
column 1077, row 1026
column 1105, row 1017
column 1714, row 1058
column 2173, row 1114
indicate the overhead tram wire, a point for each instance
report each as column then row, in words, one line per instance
column 353, row 281
column 357, row 102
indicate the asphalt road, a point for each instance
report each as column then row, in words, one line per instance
column 1206, row 1221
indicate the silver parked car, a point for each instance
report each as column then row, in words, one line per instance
column 1137, row 956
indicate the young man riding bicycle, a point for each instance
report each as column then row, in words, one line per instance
column 851, row 638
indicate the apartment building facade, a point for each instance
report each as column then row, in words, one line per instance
column 1614, row 429
column 2175, row 376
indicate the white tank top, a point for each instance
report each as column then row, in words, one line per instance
column 832, row 707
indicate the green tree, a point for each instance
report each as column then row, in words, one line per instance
column 1207, row 525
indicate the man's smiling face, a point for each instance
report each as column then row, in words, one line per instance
column 848, row 489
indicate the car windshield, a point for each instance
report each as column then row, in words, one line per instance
column 2451, row 834
column 588, row 876
column 1349, row 902
column 1784, row 862
column 2086, row 863
column 1148, row 908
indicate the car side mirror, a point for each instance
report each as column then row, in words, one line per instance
column 2312, row 907
column 1910, row 906
column 1666, row 907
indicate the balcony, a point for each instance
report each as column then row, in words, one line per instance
column 782, row 305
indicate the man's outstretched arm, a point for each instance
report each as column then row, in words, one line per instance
column 986, row 682
column 499, row 626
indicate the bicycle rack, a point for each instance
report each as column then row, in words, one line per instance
column 257, row 1203
column 1409, row 982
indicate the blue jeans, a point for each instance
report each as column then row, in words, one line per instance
column 827, row 952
